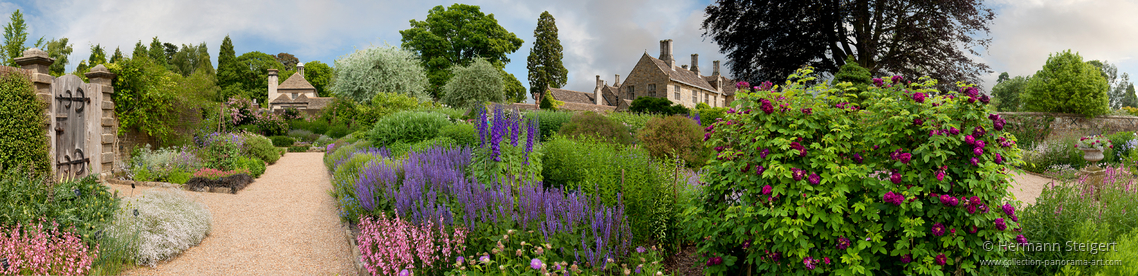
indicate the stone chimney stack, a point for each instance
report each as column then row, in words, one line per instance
column 695, row 64
column 715, row 68
column 617, row 82
column 272, row 86
column 597, row 91
column 300, row 69
column 666, row 53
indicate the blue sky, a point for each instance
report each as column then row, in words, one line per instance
column 601, row 37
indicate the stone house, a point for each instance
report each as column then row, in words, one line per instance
column 295, row 92
column 655, row 77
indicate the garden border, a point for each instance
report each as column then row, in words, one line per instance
column 218, row 190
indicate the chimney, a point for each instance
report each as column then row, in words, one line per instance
column 695, row 63
column 666, row 53
column 617, row 82
column 715, row 68
column 300, row 69
column 272, row 86
column 597, row 91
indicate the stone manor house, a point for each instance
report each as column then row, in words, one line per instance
column 294, row 92
column 654, row 77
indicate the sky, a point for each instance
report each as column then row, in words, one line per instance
column 600, row 37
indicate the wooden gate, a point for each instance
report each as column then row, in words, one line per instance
column 73, row 130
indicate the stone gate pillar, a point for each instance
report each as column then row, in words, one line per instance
column 36, row 63
column 107, row 123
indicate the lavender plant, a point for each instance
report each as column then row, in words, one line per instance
column 500, row 154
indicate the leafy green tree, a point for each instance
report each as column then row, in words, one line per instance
column 1117, row 83
column 98, row 56
column 361, row 75
column 456, row 36
column 227, row 69
column 1130, row 99
column 158, row 53
column 190, row 59
column 139, row 51
column 169, row 49
column 319, row 75
column 204, row 62
column 473, row 85
column 15, row 35
column 512, row 88
column 1008, row 94
column 1067, row 84
column 1003, row 77
column 544, row 62
column 288, row 60
column 59, row 49
column 117, row 56
column 253, row 73
column 81, row 68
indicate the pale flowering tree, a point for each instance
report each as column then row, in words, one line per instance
column 365, row 73
column 472, row 85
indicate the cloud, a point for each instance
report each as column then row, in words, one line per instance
column 600, row 37
column 1024, row 33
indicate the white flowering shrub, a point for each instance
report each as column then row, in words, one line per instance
column 364, row 73
column 160, row 223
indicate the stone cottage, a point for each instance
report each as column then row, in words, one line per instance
column 295, row 92
column 655, row 77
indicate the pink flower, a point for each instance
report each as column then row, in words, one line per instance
column 940, row 259
column 919, row 97
column 938, row 229
column 814, row 179
column 766, row 190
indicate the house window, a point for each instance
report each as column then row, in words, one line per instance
column 694, row 97
column 706, row 97
column 676, row 89
column 651, row 89
column 631, row 92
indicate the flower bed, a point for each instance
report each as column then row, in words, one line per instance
column 213, row 178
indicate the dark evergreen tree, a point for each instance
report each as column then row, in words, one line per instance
column 544, row 61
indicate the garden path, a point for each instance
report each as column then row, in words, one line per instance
column 284, row 223
column 1027, row 187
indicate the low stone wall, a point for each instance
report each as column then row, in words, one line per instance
column 1063, row 124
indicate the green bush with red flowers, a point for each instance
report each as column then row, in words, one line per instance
column 912, row 181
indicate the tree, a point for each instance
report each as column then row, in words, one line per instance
column 227, row 69
column 81, row 68
column 319, row 75
column 288, row 60
column 139, row 51
column 456, row 36
column 767, row 40
column 59, row 49
column 1069, row 85
column 15, row 35
column 511, row 87
column 1008, row 94
column 98, row 56
column 117, row 56
column 855, row 74
column 204, row 63
column 473, row 85
column 544, row 61
column 1130, row 99
column 158, row 52
column 253, row 74
column 190, row 59
column 1117, row 83
column 1003, row 77
column 169, row 49
column 361, row 75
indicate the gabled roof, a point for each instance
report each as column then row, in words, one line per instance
column 682, row 75
column 296, row 81
column 611, row 95
column 728, row 84
column 570, row 96
column 282, row 99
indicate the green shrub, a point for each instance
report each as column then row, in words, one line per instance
column 1066, row 84
column 22, row 140
column 633, row 121
column 282, row 141
column 82, row 203
column 551, row 122
column 298, row 149
column 603, row 169
column 407, row 127
column 255, row 165
column 315, row 126
column 179, row 177
column 674, row 136
column 708, row 116
column 1122, row 146
column 324, row 140
column 262, row 148
column 805, row 176
column 337, row 131
column 854, row 74
column 462, row 134
column 343, row 152
column 597, row 126
column 167, row 222
column 1069, row 211
column 656, row 105
column 303, row 135
column 1127, row 252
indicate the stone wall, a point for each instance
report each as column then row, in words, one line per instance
column 1063, row 124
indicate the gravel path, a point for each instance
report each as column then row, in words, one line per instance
column 284, row 223
column 1027, row 187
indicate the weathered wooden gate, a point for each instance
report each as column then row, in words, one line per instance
column 75, row 106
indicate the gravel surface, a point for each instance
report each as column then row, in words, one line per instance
column 1027, row 187
column 284, row 223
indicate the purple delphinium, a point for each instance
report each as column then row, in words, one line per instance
column 938, row 229
column 482, row 122
column 515, row 127
column 940, row 259
column 814, row 179
column 497, row 133
column 1000, row 225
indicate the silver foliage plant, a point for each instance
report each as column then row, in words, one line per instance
column 474, row 84
column 365, row 73
column 160, row 223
